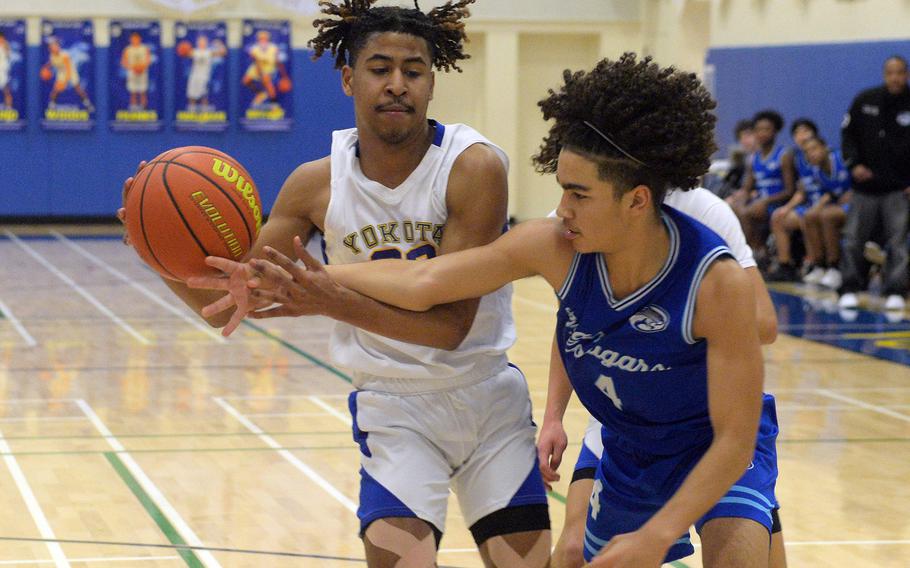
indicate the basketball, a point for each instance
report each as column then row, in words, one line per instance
column 46, row 74
column 189, row 203
column 284, row 85
column 184, row 48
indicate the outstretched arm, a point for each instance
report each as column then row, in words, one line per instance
column 534, row 247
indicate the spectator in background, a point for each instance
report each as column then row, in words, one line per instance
column 823, row 222
column 768, row 185
column 876, row 146
column 788, row 218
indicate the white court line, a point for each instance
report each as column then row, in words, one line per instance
column 540, row 305
column 79, row 290
column 34, row 400
column 866, row 405
column 291, row 458
column 8, row 314
column 97, row 559
column 149, row 486
column 339, row 415
column 141, row 289
column 290, row 396
column 44, row 528
column 283, row 414
column 40, row 418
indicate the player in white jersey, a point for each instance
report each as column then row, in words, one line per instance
column 5, row 64
column 197, row 85
column 709, row 209
column 65, row 74
column 136, row 58
column 437, row 405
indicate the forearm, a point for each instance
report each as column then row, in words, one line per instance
column 559, row 389
column 724, row 462
column 442, row 327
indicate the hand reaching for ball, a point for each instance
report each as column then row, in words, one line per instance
column 121, row 213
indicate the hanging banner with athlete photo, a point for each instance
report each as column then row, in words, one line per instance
column 12, row 74
column 201, row 83
column 67, row 75
column 266, row 101
column 134, row 75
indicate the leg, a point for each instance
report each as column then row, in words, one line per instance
column 499, row 486
column 756, row 227
column 861, row 221
column 398, row 542
column 738, row 542
column 778, row 554
column 404, row 479
column 833, row 218
column 894, row 210
column 812, row 234
column 569, row 551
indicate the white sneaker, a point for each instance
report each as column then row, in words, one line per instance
column 848, row 301
column 832, row 279
column 895, row 302
column 814, row 276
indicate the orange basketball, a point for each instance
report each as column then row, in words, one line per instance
column 184, row 48
column 46, row 74
column 284, row 85
column 189, row 203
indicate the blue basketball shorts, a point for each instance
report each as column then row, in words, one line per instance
column 631, row 486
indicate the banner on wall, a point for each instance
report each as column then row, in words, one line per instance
column 67, row 75
column 12, row 74
column 266, row 93
column 201, row 83
column 134, row 75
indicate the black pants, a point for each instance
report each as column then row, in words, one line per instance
column 869, row 213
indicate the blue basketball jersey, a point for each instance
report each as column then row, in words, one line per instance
column 634, row 362
column 838, row 181
column 805, row 172
column 768, row 173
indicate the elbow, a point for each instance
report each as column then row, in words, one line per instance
column 767, row 329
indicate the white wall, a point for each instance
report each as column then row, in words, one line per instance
column 770, row 22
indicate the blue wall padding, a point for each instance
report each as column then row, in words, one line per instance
column 818, row 81
column 60, row 174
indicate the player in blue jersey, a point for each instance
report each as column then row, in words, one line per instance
column 769, row 182
column 656, row 324
column 787, row 218
column 823, row 224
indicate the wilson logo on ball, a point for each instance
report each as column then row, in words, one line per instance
column 230, row 174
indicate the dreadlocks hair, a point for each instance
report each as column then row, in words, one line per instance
column 352, row 22
column 658, row 121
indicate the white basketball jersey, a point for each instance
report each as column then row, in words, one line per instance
column 366, row 220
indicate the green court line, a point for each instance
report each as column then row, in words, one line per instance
column 299, row 351
column 175, row 450
column 152, row 509
column 558, row 496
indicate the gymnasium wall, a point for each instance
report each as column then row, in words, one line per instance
column 803, row 58
column 518, row 50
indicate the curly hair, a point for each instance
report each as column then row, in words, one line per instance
column 351, row 23
column 772, row 116
column 658, row 123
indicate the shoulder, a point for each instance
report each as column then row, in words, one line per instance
column 478, row 159
column 541, row 244
column 306, row 190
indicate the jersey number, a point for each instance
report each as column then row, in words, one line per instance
column 422, row 251
column 606, row 386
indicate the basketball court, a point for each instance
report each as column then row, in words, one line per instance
column 133, row 435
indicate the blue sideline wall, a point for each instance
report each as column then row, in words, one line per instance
column 59, row 174
column 817, row 80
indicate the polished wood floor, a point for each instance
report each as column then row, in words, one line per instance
column 128, row 429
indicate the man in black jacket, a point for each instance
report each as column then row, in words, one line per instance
column 876, row 148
